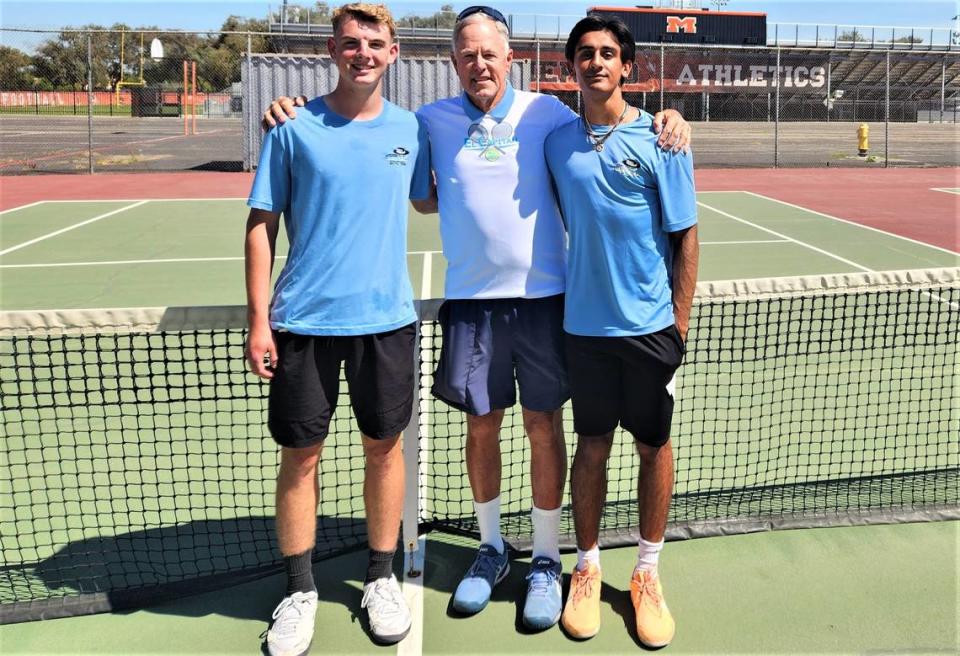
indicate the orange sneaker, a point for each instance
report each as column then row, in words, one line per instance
column 581, row 614
column 655, row 625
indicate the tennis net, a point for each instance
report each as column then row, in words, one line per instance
column 135, row 464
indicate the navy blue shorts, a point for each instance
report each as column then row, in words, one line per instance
column 492, row 346
column 626, row 381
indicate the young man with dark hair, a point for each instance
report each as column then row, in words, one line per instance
column 328, row 309
column 631, row 214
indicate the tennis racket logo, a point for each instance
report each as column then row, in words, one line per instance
column 491, row 143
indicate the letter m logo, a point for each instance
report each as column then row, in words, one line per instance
column 676, row 24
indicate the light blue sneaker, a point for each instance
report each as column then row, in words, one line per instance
column 544, row 599
column 489, row 568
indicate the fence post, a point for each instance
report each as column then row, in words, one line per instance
column 886, row 124
column 89, row 103
column 943, row 87
column 537, row 67
column 662, row 58
column 776, row 116
column 829, row 76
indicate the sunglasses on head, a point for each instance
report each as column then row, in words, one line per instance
column 482, row 9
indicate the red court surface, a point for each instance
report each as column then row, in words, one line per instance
column 899, row 200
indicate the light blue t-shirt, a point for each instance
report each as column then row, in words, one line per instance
column 501, row 230
column 343, row 188
column 619, row 206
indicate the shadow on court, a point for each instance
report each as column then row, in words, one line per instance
column 174, row 563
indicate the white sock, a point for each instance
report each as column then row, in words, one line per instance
column 648, row 554
column 546, row 533
column 588, row 557
column 488, row 516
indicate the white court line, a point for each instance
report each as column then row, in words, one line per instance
column 130, row 200
column 22, row 207
column 171, row 260
column 946, row 190
column 69, row 228
column 740, row 243
column 426, row 281
column 786, row 237
column 412, row 645
column 814, row 248
column 853, row 223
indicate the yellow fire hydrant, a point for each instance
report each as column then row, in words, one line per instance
column 863, row 139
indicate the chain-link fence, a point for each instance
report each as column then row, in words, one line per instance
column 96, row 100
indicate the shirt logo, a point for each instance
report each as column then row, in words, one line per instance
column 492, row 144
column 398, row 157
column 629, row 168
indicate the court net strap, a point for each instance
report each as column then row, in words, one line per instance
column 174, row 318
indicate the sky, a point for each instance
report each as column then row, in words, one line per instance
column 210, row 14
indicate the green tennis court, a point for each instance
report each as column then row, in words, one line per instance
column 135, row 253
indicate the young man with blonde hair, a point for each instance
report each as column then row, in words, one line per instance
column 328, row 310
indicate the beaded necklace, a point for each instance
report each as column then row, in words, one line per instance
column 596, row 138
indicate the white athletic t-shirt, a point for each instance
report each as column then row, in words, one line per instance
column 502, row 233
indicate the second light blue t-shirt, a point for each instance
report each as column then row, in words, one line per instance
column 343, row 188
column 619, row 206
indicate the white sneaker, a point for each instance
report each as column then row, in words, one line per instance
column 292, row 628
column 387, row 610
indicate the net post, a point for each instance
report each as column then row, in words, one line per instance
column 411, row 466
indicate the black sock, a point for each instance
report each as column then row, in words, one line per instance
column 299, row 572
column 380, row 565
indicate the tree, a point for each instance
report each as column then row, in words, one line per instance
column 851, row 36
column 62, row 60
column 908, row 39
column 16, row 69
column 444, row 19
column 319, row 14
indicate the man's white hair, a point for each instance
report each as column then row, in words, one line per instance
column 475, row 18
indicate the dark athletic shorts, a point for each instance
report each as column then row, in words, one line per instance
column 625, row 381
column 379, row 371
column 492, row 346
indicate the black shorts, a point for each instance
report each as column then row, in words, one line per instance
column 379, row 371
column 625, row 381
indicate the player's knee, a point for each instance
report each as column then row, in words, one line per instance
column 542, row 427
column 651, row 453
column 300, row 463
column 594, row 450
column 485, row 427
column 381, row 450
